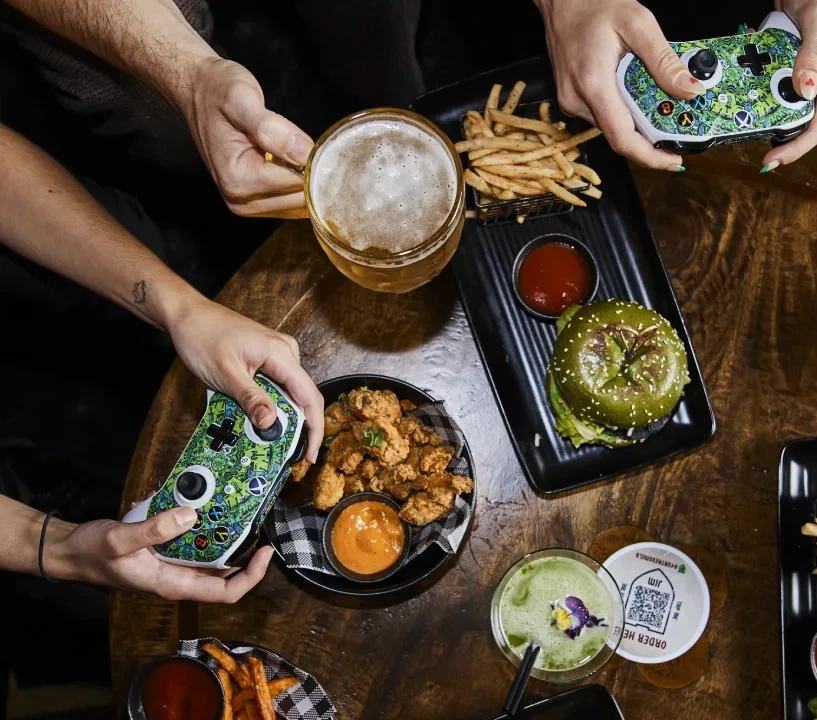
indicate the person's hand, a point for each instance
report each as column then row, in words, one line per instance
column 117, row 555
column 233, row 129
column 586, row 39
column 804, row 78
column 225, row 350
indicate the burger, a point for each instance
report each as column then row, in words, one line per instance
column 617, row 373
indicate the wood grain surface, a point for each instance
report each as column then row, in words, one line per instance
column 741, row 249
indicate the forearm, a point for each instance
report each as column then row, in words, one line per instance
column 48, row 217
column 149, row 39
column 20, row 539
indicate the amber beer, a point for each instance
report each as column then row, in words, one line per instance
column 386, row 197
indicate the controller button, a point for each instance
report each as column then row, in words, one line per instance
column 215, row 513
column 221, row 535
column 272, row 433
column 702, row 64
column 198, row 523
column 754, row 60
column 245, row 461
column 201, row 542
column 229, row 489
column 666, row 107
column 257, row 486
column 191, row 486
column 685, row 119
column 743, row 119
column 699, row 102
column 785, row 89
column 222, row 435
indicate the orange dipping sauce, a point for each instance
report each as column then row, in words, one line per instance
column 368, row 537
column 179, row 690
column 552, row 277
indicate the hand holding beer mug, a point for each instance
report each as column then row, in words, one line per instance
column 386, row 198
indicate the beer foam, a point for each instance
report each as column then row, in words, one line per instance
column 383, row 185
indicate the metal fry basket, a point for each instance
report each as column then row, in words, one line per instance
column 532, row 206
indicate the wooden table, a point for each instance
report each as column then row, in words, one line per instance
column 742, row 251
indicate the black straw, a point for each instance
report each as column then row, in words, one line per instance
column 520, row 682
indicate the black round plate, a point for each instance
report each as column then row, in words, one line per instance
column 415, row 570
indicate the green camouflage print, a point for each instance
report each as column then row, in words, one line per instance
column 233, row 506
column 737, row 90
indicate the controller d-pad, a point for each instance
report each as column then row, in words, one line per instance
column 222, row 435
column 191, row 485
column 754, row 60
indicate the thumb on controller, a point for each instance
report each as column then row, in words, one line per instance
column 259, row 406
column 131, row 537
column 804, row 74
column 647, row 41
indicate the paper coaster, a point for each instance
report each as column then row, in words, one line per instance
column 680, row 672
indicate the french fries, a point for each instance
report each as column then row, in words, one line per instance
column 247, row 692
column 521, row 157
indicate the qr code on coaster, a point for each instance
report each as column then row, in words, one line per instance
column 648, row 607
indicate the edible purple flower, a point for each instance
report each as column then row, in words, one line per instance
column 572, row 616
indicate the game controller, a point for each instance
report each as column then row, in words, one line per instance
column 231, row 473
column 749, row 91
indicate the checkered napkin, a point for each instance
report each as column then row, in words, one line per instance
column 298, row 529
column 305, row 700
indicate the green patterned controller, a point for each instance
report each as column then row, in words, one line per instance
column 231, row 473
column 749, row 91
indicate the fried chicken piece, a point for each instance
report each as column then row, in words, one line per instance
column 381, row 440
column 442, row 487
column 299, row 469
column 435, row 459
column 329, row 487
column 352, row 484
column 421, row 509
column 412, row 429
column 374, row 404
column 345, row 453
column 413, row 458
column 407, row 406
column 368, row 468
column 396, row 481
column 336, row 418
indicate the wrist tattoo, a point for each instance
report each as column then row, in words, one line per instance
column 140, row 293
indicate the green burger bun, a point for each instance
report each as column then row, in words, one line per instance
column 618, row 371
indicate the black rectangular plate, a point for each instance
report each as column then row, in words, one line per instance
column 516, row 347
column 588, row 701
column 797, row 504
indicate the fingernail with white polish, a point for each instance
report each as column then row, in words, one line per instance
column 769, row 167
column 676, row 168
column 297, row 149
column 808, row 85
column 185, row 517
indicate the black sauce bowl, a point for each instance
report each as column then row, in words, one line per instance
column 554, row 239
column 329, row 526
column 135, row 704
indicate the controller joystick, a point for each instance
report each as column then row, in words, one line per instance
column 191, row 486
column 231, row 473
column 703, row 64
column 749, row 92
column 272, row 433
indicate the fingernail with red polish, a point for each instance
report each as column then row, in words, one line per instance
column 808, row 85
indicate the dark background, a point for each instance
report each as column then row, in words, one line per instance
column 78, row 375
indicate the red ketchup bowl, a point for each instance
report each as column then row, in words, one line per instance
column 176, row 688
column 553, row 272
